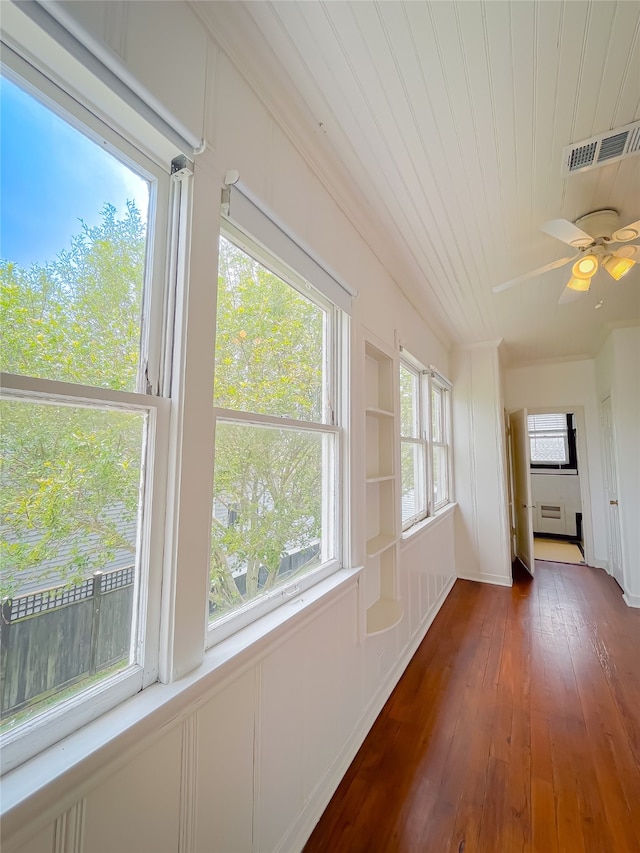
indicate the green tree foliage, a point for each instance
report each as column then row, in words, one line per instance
column 70, row 475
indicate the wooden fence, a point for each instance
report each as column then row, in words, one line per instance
column 51, row 639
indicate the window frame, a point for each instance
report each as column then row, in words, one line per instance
column 435, row 382
column 333, row 415
column 419, row 441
column 571, row 465
column 52, row 724
column 428, row 379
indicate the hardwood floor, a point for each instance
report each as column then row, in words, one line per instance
column 516, row 727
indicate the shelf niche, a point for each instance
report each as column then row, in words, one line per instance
column 381, row 599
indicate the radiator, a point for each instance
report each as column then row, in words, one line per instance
column 550, row 517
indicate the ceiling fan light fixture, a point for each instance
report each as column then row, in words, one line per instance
column 585, row 267
column 617, row 267
column 579, row 284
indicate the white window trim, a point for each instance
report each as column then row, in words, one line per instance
column 420, row 441
column 34, row 735
column 549, row 432
column 428, row 377
column 445, row 387
column 333, row 409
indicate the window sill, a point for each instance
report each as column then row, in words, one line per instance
column 43, row 784
column 420, row 526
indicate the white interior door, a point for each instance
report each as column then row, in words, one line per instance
column 611, row 483
column 523, row 514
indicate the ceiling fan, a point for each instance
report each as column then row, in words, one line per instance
column 593, row 235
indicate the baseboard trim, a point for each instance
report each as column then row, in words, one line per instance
column 299, row 832
column 496, row 580
column 631, row 600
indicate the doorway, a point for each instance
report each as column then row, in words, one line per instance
column 550, row 486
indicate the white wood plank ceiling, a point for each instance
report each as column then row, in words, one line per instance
column 442, row 124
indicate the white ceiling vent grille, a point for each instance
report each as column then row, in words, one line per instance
column 600, row 150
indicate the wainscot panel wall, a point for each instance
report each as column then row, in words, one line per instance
column 251, row 763
column 243, row 756
column 482, row 526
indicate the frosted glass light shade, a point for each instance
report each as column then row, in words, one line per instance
column 580, row 284
column 585, row 267
column 617, row 267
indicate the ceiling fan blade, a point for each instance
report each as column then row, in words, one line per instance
column 632, row 251
column 570, row 295
column 566, row 231
column 552, row 266
column 628, row 232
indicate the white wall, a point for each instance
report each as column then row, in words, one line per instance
column 243, row 752
column 618, row 376
column 482, row 528
column 562, row 489
column 566, row 385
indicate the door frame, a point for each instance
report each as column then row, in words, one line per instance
column 608, row 398
column 527, row 505
column 583, row 469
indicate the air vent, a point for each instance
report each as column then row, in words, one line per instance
column 600, row 150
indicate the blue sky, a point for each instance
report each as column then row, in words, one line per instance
column 51, row 176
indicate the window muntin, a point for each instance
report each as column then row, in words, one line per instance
column 275, row 512
column 85, row 463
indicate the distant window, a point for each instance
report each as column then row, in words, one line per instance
column 425, row 445
column 552, row 441
column 413, row 445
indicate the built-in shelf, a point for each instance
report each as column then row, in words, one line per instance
column 380, row 413
column 384, row 614
column 380, row 583
column 380, row 543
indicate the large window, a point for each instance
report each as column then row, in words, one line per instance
column 276, row 496
column 424, row 441
column 82, row 494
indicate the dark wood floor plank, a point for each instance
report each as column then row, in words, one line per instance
column 515, row 728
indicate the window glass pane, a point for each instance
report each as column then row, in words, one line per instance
column 549, row 448
column 267, row 526
column 69, row 507
column 269, row 342
column 73, row 251
column 436, row 414
column 548, row 438
column 440, row 474
column 408, row 403
column 413, row 478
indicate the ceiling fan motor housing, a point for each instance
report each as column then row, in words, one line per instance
column 601, row 225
